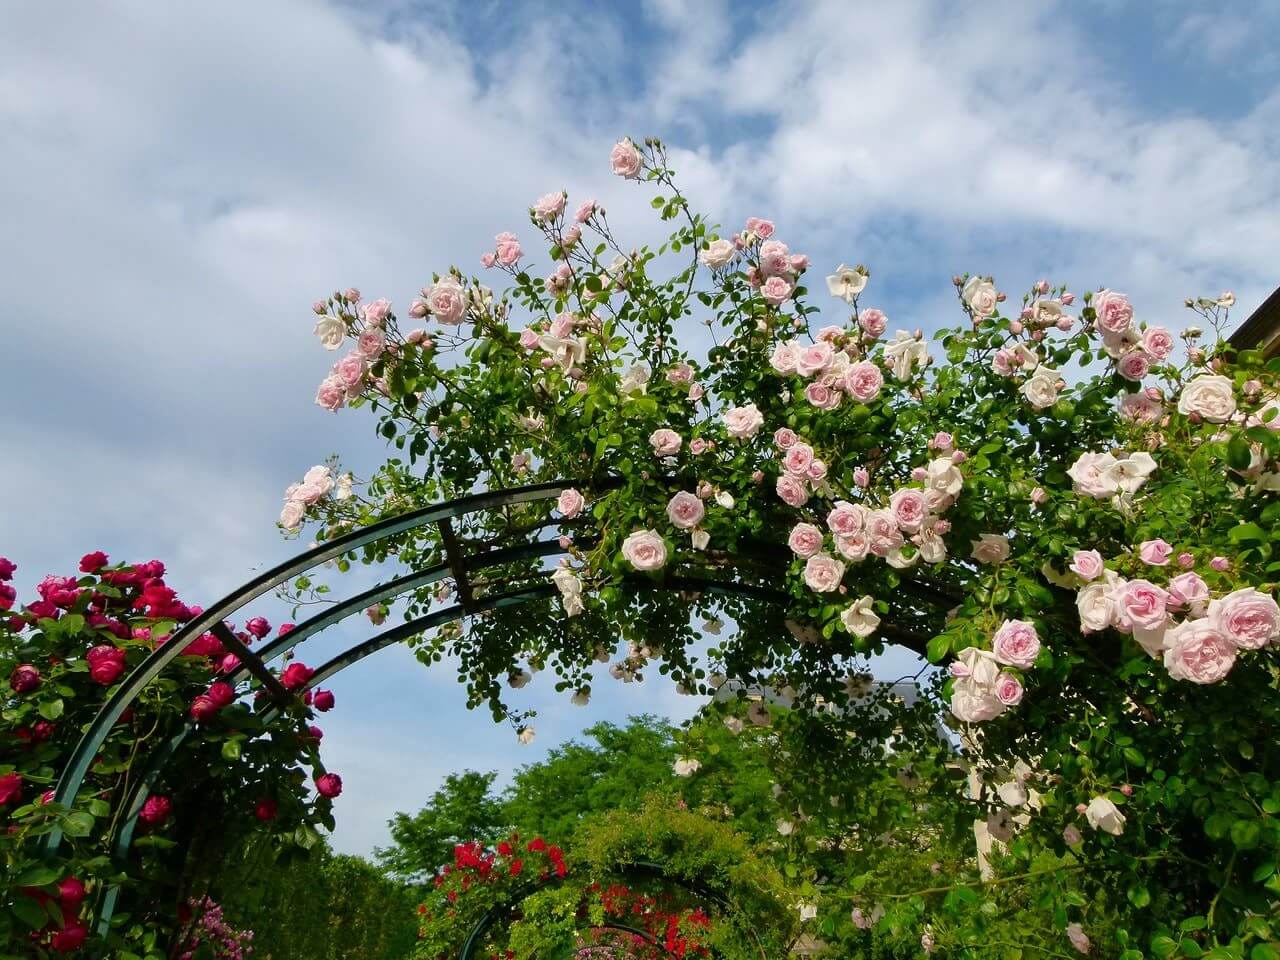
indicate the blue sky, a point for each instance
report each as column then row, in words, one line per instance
column 179, row 182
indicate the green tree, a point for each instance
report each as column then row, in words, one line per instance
column 461, row 811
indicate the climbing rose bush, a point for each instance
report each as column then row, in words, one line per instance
column 1064, row 500
column 63, row 653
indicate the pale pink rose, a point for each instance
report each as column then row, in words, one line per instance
column 1158, row 342
column 1220, row 564
column 793, row 491
column 1076, row 934
column 1247, row 618
column 832, row 334
column 743, row 422
column 823, row 572
column 351, row 370
column 797, row 458
column 448, row 301
column 375, row 314
column 873, row 322
column 1134, row 365
column 685, row 510
column 815, row 358
column 680, row 373
column 1209, row 396
column 942, row 441
column 817, row 470
column 332, row 393
column 1186, row 560
column 783, row 358
column 908, row 509
column 1004, row 362
column 1155, row 553
column 1143, row 604
column 974, row 703
column 584, row 211
column 699, row 446
column 372, row 343
column 572, row 236
column 1088, row 472
column 549, row 207
column 805, row 540
column 776, row 290
column 1140, row 408
column 1115, row 313
column 761, row 228
column 508, row 249
column 1016, row 644
column 528, row 338
column 292, row 515
column 775, row 259
column 645, row 550
column 487, row 260
column 1196, row 651
column 1087, row 564
column 625, row 159
column 864, row 381
column 882, row 529
column 990, row 548
column 845, row 519
column 695, row 392
column 570, row 503
column 854, row 547
column 861, row 477
column 784, row 438
column 1039, row 495
column 799, row 263
column 821, row 396
column 1008, row 689
column 665, row 442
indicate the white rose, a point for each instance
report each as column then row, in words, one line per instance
column 990, row 548
column 859, row 619
column 1129, row 472
column 1095, row 607
column 944, row 477
column 291, row 516
column 907, row 353
column 847, row 282
column 1104, row 815
column 635, row 381
column 645, row 550
column 686, row 766
column 1209, row 395
column 717, row 254
column 331, row 332
column 526, row 735
column 743, row 422
column 980, row 294
column 344, row 491
column 1041, row 388
column 1087, row 475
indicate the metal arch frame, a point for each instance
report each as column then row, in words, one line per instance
column 455, row 564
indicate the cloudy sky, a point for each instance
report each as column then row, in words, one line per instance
column 180, row 181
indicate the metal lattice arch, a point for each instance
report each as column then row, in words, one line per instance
column 460, row 561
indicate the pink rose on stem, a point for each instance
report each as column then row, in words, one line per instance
column 1115, row 313
column 864, row 381
column 821, row 396
column 1008, row 689
column 873, row 322
column 1196, row 651
column 295, row 676
column 508, row 250
column 908, row 509
column 776, row 290
column 1156, row 552
column 1076, row 934
column 1188, row 590
column 805, row 540
column 447, row 300
column 845, row 519
column 1144, row 604
column 817, row 470
column 743, row 422
column 823, row 573
column 1158, row 342
column 570, row 503
column 814, row 359
column 1016, row 644
column 1221, row 564
column 784, row 438
column 685, row 510
column 585, row 211
column 332, row 393
column 645, row 550
column 862, row 477
column 329, row 785
column 549, row 207
column 797, row 459
column 625, row 159
column 1247, row 618
column 665, row 442
column 783, row 358
column 1134, row 365
column 793, row 491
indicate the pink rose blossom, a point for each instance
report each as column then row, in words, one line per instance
column 1016, row 644
column 699, row 446
column 585, row 211
column 864, row 381
column 805, row 540
column 549, row 207
column 783, row 358
column 1076, row 934
column 1115, row 313
column 784, row 438
column 1196, row 651
column 775, row 259
column 680, row 373
column 776, row 290
column 1158, row 342
column 908, row 509
column 1134, row 365
column 882, row 530
column 861, row 477
column 528, row 338
column 817, row 470
column 645, row 550
column 821, row 396
column 350, row 370
column 1155, row 553
column 372, row 343
column 447, row 300
column 797, row 459
column 487, row 260
column 814, row 359
column 761, row 228
column 1186, row 560
column 793, row 491
column 1247, row 618
column 685, row 510
column 1144, row 604
column 823, row 572
column 570, row 503
column 1087, row 564
column 665, row 442
column 799, row 262
column 332, row 393
column 873, row 322
column 1008, row 689
column 1220, row 564
column 625, row 159
column 845, row 519
column 508, row 249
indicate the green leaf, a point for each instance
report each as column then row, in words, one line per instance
column 1239, row 454
column 1245, row 834
column 1264, row 951
column 37, row 876
column 938, row 647
column 231, row 750
column 1139, row 896
column 52, row 709
column 78, row 823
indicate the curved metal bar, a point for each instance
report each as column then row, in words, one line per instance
column 78, row 765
